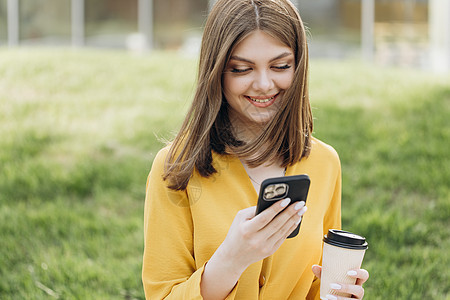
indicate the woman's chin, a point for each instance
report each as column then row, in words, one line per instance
column 261, row 118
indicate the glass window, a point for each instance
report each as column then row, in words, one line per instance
column 179, row 23
column 3, row 23
column 108, row 23
column 45, row 22
column 401, row 32
column 334, row 27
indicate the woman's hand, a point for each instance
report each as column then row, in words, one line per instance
column 250, row 239
column 356, row 290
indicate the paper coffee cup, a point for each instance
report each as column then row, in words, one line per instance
column 342, row 251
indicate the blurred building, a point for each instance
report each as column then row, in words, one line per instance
column 394, row 32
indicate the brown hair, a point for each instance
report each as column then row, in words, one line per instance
column 207, row 126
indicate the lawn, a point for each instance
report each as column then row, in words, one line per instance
column 79, row 130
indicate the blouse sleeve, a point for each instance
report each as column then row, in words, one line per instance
column 169, row 269
column 332, row 220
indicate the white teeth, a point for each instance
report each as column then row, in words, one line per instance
column 262, row 100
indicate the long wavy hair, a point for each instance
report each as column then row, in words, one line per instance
column 207, row 127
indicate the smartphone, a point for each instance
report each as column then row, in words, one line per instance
column 295, row 187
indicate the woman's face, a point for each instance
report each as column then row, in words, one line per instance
column 260, row 69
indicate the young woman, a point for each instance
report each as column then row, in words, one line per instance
column 250, row 120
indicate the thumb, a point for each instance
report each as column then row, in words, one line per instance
column 248, row 212
column 317, row 270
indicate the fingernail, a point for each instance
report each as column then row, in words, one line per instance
column 352, row 273
column 300, row 213
column 299, row 205
column 335, row 286
column 298, row 222
column 285, row 202
column 331, row 297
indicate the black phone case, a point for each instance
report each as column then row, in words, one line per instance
column 297, row 190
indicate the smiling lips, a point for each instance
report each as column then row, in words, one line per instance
column 262, row 101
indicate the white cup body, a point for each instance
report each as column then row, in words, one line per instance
column 336, row 262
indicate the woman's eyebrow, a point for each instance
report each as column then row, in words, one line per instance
column 282, row 55
column 235, row 57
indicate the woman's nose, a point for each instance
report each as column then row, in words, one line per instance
column 263, row 82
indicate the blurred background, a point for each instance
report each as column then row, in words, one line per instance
column 389, row 32
column 90, row 90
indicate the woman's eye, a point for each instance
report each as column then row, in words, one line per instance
column 235, row 70
column 284, row 67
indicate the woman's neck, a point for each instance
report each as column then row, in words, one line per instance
column 258, row 174
column 244, row 130
column 247, row 131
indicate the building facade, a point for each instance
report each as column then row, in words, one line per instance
column 393, row 32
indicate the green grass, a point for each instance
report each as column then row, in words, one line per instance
column 79, row 130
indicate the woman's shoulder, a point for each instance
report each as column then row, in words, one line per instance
column 163, row 152
column 320, row 149
column 160, row 157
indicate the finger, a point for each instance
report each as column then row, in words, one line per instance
column 301, row 208
column 334, row 297
column 287, row 228
column 282, row 225
column 279, row 239
column 248, row 213
column 279, row 236
column 265, row 236
column 275, row 237
column 292, row 214
column 361, row 275
column 317, row 270
column 355, row 290
column 286, row 222
column 265, row 217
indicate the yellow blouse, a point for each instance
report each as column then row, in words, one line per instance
column 184, row 228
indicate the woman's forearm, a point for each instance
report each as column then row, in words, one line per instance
column 219, row 277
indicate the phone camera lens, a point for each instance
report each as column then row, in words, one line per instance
column 269, row 195
column 280, row 190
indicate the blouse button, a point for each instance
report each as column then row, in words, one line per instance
column 262, row 280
